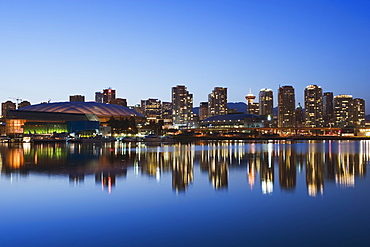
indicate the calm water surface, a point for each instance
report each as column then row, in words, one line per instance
column 272, row 193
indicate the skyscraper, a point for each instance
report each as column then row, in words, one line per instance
column 217, row 102
column 299, row 118
column 313, row 106
column 343, row 110
column 286, row 107
column 182, row 103
column 109, row 95
column 359, row 112
column 203, row 110
column 328, row 108
column 266, row 102
column 167, row 111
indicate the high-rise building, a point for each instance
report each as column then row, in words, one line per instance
column 76, row 98
column 266, row 103
column 217, row 102
column 299, row 116
column 152, row 108
column 109, row 95
column 99, row 97
column 23, row 104
column 5, row 107
column 203, row 110
column 286, row 107
column 328, row 108
column 359, row 112
column 182, row 103
column 343, row 110
column 252, row 108
column 167, row 110
column 313, row 106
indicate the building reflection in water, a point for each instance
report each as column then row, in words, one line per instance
column 76, row 179
column 182, row 167
column 350, row 162
column 107, row 180
column 315, row 169
column 339, row 162
column 288, row 168
column 267, row 170
column 14, row 158
column 214, row 160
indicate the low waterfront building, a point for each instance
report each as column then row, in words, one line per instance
column 37, row 122
column 66, row 117
column 233, row 121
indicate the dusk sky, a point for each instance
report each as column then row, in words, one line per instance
column 53, row 49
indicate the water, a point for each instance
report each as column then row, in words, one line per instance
column 271, row 193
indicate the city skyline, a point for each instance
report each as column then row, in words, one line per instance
column 99, row 95
column 142, row 49
column 194, row 123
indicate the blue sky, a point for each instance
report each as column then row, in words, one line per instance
column 53, row 49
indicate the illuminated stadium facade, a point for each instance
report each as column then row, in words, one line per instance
column 65, row 117
column 103, row 111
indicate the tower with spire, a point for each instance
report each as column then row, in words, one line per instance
column 253, row 108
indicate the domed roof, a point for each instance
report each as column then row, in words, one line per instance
column 99, row 109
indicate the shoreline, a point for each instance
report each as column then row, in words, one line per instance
column 224, row 138
column 293, row 138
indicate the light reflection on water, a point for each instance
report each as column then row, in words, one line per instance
column 272, row 193
column 269, row 163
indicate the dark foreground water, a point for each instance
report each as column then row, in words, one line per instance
column 273, row 193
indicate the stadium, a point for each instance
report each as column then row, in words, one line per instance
column 67, row 117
